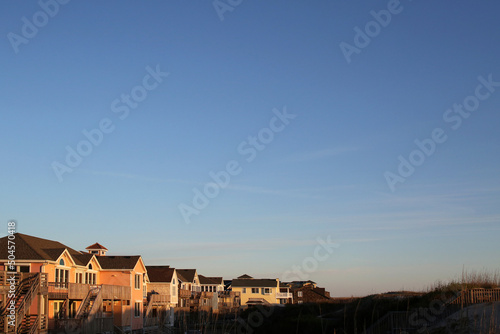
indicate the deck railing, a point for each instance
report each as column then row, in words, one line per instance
column 78, row 291
column 284, row 295
column 477, row 296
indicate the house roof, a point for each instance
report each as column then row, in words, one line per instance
column 83, row 258
column 254, row 282
column 245, row 276
column 186, row 275
column 318, row 292
column 96, row 246
column 160, row 274
column 36, row 249
column 210, row 280
column 118, row 262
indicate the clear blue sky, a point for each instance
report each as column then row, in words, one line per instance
column 324, row 174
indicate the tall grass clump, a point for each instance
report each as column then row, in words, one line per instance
column 469, row 280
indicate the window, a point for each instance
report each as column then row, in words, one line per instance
column 72, row 309
column 61, row 276
column 90, row 278
column 299, row 302
column 137, row 309
column 61, row 262
column 244, row 290
column 90, row 266
column 266, row 291
column 299, row 294
column 255, row 290
column 57, row 309
column 79, row 278
column 137, row 281
column 23, row 269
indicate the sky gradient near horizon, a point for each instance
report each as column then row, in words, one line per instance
column 213, row 95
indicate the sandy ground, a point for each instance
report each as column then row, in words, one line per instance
column 483, row 318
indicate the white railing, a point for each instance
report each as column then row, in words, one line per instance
column 283, row 295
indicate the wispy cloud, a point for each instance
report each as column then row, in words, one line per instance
column 296, row 193
column 320, row 154
column 138, row 177
column 243, row 246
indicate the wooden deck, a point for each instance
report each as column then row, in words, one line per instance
column 477, row 296
column 77, row 291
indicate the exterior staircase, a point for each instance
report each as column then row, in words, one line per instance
column 62, row 311
column 87, row 305
column 29, row 325
column 26, row 291
column 89, row 309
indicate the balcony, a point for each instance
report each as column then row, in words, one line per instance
column 284, row 295
column 77, row 291
column 206, row 294
column 183, row 293
column 157, row 300
column 223, row 294
column 58, row 290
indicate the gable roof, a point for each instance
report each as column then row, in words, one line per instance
column 85, row 258
column 210, row 280
column 96, row 246
column 160, row 274
column 186, row 275
column 118, row 262
column 36, row 249
column 245, row 276
column 317, row 292
column 254, row 282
